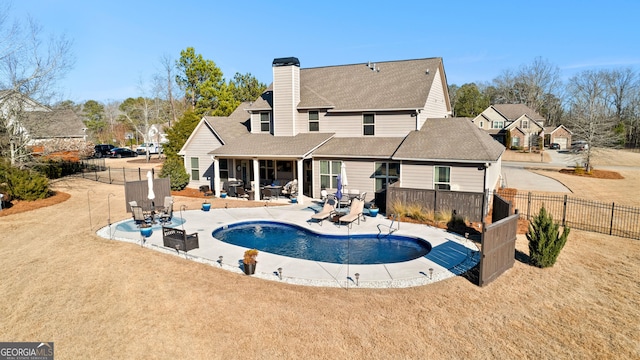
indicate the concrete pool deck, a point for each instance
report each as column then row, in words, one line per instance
column 450, row 256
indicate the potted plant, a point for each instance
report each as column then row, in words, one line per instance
column 249, row 261
column 373, row 210
column 223, row 194
column 146, row 230
column 206, row 206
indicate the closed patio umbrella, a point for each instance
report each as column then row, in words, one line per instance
column 150, row 195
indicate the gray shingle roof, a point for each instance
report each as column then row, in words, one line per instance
column 451, row 139
column 514, row 111
column 253, row 145
column 359, row 147
column 233, row 126
column 401, row 84
column 53, row 124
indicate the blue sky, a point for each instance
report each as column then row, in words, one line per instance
column 119, row 43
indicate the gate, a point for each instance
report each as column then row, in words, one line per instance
column 498, row 248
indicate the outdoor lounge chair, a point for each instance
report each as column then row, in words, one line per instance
column 167, row 210
column 355, row 212
column 327, row 210
column 138, row 215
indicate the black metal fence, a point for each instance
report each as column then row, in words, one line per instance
column 581, row 214
column 95, row 169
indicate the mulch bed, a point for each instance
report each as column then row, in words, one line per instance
column 596, row 174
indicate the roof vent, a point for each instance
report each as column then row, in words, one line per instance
column 288, row 61
column 427, row 72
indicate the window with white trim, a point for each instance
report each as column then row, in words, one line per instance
column 497, row 124
column 314, row 121
column 329, row 171
column 368, row 124
column 525, row 124
column 442, row 177
column 223, row 164
column 265, row 122
column 195, row 168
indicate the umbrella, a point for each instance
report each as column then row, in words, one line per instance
column 343, row 174
column 151, row 195
column 339, row 192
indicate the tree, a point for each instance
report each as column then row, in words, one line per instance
column 179, row 133
column 200, row 79
column 245, row 87
column 29, row 68
column 545, row 241
column 94, row 117
column 470, row 102
column 590, row 117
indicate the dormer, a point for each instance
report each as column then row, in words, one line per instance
column 286, row 95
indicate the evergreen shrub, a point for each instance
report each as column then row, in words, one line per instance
column 545, row 241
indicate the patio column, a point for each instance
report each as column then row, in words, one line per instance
column 300, row 181
column 256, row 179
column 216, row 176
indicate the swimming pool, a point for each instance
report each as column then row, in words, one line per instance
column 299, row 242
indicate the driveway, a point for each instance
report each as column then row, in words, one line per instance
column 514, row 175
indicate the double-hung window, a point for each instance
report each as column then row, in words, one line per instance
column 368, row 124
column 223, row 164
column 314, row 121
column 525, row 124
column 265, row 122
column 195, row 168
column 329, row 171
column 442, row 178
column 497, row 124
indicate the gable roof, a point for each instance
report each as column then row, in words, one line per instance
column 450, row 139
column 514, row 111
column 393, row 85
column 518, row 122
column 53, row 124
column 552, row 129
column 256, row 145
column 232, row 126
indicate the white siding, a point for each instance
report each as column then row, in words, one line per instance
column 466, row 179
column 359, row 174
column 350, row 125
column 416, row 176
column 420, row 176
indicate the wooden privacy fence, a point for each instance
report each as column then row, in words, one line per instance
column 498, row 248
column 581, row 214
column 465, row 204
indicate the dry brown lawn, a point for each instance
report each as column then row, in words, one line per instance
column 103, row 299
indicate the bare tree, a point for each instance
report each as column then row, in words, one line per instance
column 29, row 69
column 591, row 118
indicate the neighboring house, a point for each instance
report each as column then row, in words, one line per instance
column 45, row 130
column 523, row 125
column 386, row 122
column 559, row 135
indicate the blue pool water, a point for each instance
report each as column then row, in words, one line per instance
column 130, row 225
column 298, row 242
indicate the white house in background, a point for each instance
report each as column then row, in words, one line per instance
column 387, row 122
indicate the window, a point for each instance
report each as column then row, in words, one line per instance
column 267, row 170
column 195, row 168
column 386, row 174
column 481, row 124
column 525, row 124
column 497, row 124
column 329, row 171
column 265, row 122
column 515, row 141
column 314, row 121
column 442, row 178
column 368, row 124
column 223, row 164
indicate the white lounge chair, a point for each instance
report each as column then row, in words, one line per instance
column 355, row 212
column 327, row 210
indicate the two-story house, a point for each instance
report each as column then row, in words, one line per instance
column 386, row 122
column 521, row 126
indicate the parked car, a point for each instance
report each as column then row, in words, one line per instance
column 154, row 148
column 122, row 152
column 579, row 146
column 102, row 150
column 554, row 146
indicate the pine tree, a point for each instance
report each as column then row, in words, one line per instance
column 545, row 241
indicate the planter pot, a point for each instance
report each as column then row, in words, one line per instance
column 146, row 232
column 373, row 212
column 206, row 207
column 223, row 195
column 249, row 269
column 294, row 200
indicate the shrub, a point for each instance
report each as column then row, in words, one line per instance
column 545, row 241
column 250, row 256
column 22, row 184
column 457, row 224
column 55, row 169
column 174, row 169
